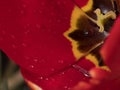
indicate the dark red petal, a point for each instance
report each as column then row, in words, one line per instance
column 111, row 48
column 63, row 80
column 31, row 33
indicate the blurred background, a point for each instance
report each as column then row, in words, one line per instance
column 10, row 76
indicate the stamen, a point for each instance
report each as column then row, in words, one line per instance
column 101, row 18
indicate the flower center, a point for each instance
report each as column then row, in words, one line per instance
column 101, row 18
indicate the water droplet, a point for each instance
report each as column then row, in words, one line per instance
column 60, row 61
column 63, row 73
column 65, row 87
column 35, row 59
column 46, row 79
column 31, row 66
column 53, row 79
column 69, row 88
column 41, row 78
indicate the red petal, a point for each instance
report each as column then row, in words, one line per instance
column 32, row 33
column 111, row 48
column 100, row 80
column 63, row 80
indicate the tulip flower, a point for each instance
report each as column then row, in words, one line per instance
column 106, row 80
column 56, row 42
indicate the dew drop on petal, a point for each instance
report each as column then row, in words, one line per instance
column 60, row 61
column 35, row 59
column 69, row 88
column 31, row 66
column 65, row 87
column 63, row 73
column 46, row 79
column 53, row 79
column 41, row 78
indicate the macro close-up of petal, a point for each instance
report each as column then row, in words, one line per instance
column 32, row 35
column 56, row 43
